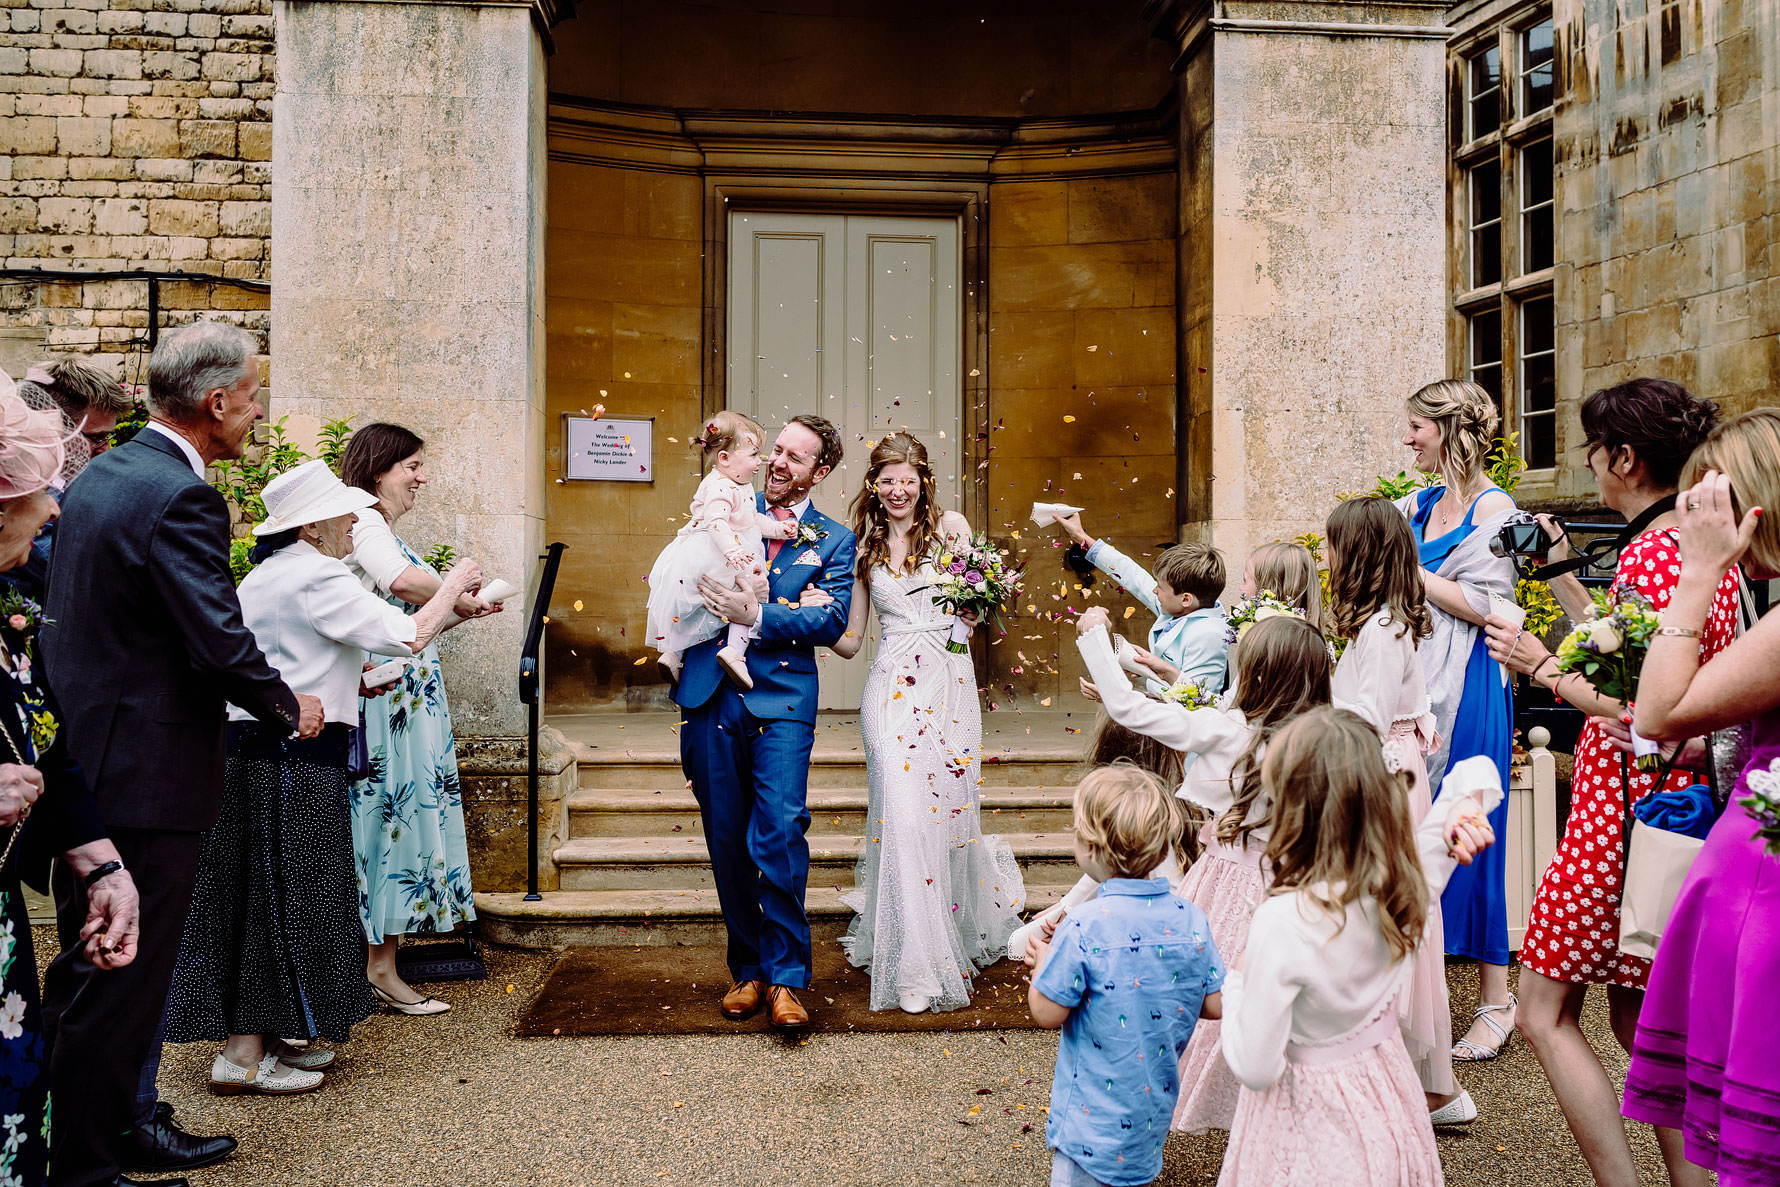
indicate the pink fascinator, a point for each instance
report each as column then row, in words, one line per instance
column 30, row 444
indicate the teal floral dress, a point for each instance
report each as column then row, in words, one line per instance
column 407, row 814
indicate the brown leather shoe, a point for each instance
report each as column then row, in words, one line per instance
column 743, row 1000
column 788, row 1013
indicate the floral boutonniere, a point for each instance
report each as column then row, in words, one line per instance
column 809, row 535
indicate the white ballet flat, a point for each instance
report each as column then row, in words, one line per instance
column 1460, row 1111
column 914, row 1003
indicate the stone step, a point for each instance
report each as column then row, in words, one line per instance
column 572, row 918
column 652, row 771
column 636, row 812
column 680, row 862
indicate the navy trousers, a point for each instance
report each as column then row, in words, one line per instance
column 751, row 778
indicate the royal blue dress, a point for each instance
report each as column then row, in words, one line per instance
column 1475, row 905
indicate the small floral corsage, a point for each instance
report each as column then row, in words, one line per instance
column 1191, row 694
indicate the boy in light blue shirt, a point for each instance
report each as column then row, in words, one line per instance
column 1127, row 975
column 1188, row 637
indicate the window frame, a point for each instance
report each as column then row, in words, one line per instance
column 1503, row 146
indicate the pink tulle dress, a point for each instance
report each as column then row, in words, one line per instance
column 1380, row 677
column 1313, row 1029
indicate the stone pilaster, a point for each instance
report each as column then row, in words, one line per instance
column 407, row 275
column 1312, row 252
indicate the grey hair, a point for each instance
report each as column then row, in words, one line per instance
column 191, row 362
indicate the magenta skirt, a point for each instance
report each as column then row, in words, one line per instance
column 1704, row 1060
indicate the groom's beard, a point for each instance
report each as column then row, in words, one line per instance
column 788, row 496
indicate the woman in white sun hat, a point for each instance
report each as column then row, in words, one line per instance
column 273, row 945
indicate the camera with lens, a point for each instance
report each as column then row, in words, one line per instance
column 1525, row 542
column 1520, row 539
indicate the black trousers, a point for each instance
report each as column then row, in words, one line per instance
column 100, row 1024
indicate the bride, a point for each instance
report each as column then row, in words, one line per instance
column 935, row 899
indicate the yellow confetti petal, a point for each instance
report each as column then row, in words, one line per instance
column 640, row 663
column 1092, row 349
column 1046, row 702
column 1130, row 610
column 1069, row 420
column 975, row 371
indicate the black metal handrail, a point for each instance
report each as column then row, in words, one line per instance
column 531, row 692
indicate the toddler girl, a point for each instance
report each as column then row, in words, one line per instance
column 1376, row 604
column 722, row 535
column 1288, row 572
column 1312, row 1024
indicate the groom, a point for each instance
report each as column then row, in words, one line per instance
column 748, row 753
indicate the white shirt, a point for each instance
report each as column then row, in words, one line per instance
column 1217, row 737
column 191, row 454
column 1315, row 980
column 315, row 622
column 377, row 555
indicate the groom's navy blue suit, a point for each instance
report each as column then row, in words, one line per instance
column 748, row 756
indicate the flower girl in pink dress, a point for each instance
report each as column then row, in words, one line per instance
column 722, row 535
column 1312, row 1025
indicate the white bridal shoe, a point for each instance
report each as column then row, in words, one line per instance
column 914, row 1003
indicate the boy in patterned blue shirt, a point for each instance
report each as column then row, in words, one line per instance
column 1127, row 975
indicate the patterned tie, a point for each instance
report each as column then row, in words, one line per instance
column 772, row 546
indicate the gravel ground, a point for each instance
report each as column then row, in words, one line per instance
column 457, row 1099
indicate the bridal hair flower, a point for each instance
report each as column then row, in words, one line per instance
column 30, row 444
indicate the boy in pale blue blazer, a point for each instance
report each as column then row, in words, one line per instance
column 1188, row 635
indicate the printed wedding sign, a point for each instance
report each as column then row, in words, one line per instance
column 608, row 449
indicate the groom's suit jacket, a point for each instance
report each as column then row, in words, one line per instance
column 145, row 642
column 782, row 661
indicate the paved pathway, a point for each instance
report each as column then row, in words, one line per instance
column 428, row 1102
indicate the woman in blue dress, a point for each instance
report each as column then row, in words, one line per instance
column 407, row 814
column 1451, row 426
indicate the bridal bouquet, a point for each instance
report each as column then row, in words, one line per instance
column 1246, row 612
column 974, row 575
column 1190, row 694
column 1608, row 648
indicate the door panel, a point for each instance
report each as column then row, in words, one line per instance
column 858, row 319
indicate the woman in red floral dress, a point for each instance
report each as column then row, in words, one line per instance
column 1639, row 435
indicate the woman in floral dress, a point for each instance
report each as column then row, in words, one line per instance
column 407, row 814
column 63, row 821
column 1638, row 438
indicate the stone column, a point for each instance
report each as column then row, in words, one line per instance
column 407, row 276
column 1312, row 252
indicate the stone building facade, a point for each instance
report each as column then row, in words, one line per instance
column 137, row 135
column 1203, row 250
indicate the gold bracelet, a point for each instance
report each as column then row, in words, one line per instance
column 1684, row 631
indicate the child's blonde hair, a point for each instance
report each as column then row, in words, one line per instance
column 1340, row 824
column 1281, row 668
column 725, row 431
column 1111, row 742
column 1193, row 570
column 1288, row 572
column 1126, row 818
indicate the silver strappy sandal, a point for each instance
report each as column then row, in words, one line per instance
column 1466, row 1051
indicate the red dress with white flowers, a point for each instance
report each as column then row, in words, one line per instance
column 1573, row 933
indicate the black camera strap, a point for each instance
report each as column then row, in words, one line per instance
column 1627, row 534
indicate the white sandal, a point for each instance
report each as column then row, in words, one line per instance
column 1466, row 1051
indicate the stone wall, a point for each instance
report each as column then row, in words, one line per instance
column 137, row 134
column 624, row 314
column 1081, row 397
column 1668, row 189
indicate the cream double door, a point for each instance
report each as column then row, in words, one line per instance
column 858, row 319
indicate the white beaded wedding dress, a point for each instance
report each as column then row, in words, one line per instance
column 936, row 899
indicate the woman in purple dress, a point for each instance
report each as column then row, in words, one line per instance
column 1703, row 1062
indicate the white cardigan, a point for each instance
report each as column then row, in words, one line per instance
column 315, row 622
column 1380, row 676
column 1307, row 980
column 377, row 555
column 1216, row 737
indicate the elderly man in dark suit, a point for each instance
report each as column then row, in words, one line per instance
column 145, row 646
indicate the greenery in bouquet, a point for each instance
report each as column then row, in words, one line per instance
column 1608, row 647
column 1246, row 612
column 975, row 576
column 1763, row 803
column 1191, row 694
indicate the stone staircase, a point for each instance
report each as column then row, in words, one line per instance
column 632, row 866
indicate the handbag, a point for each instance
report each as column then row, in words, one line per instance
column 1659, row 853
